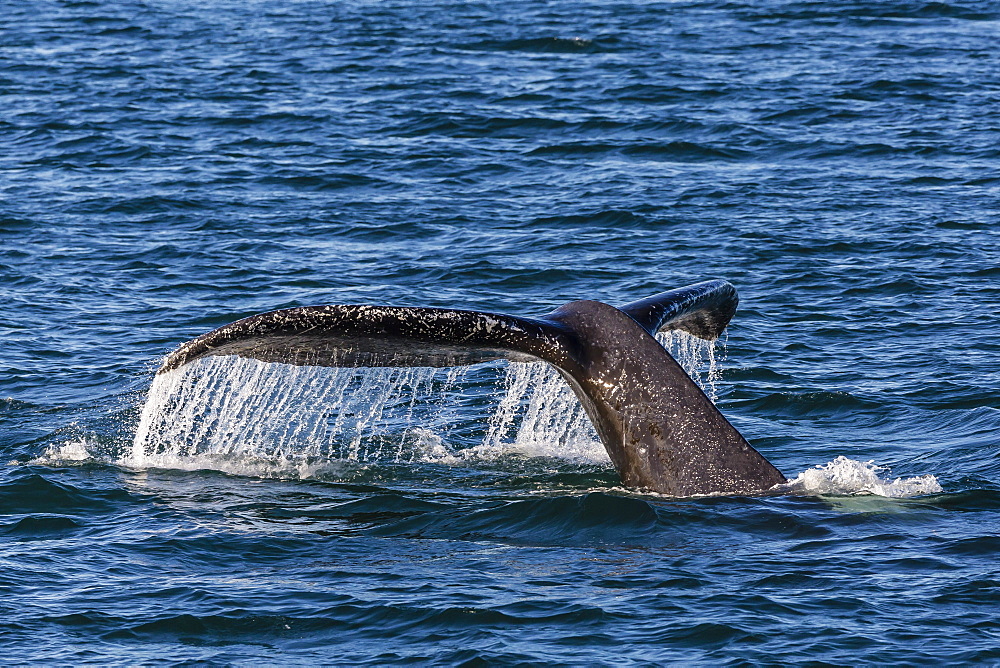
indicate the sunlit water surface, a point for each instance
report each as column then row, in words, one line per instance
column 169, row 167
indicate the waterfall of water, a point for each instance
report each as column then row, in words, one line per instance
column 229, row 409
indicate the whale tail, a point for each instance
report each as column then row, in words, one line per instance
column 660, row 430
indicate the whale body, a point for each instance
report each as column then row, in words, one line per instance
column 661, row 431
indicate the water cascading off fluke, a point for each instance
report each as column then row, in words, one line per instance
column 246, row 416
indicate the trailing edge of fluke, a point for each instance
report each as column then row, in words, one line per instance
column 659, row 428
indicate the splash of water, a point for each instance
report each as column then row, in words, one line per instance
column 229, row 407
column 65, row 454
column 547, row 418
column 274, row 420
column 245, row 416
column 697, row 358
column 544, row 415
column 847, row 477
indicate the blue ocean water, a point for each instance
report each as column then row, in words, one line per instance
column 170, row 166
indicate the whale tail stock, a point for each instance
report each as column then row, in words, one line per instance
column 659, row 428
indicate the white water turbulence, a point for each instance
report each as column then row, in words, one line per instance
column 850, row 477
column 249, row 417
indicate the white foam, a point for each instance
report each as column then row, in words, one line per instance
column 847, row 477
column 62, row 454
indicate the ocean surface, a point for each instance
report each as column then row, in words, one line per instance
column 169, row 166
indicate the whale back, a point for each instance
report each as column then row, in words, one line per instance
column 660, row 430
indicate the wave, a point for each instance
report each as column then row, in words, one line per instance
column 559, row 520
column 568, row 45
column 804, row 403
column 679, row 151
column 35, row 493
column 532, row 465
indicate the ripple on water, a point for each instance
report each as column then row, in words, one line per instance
column 175, row 166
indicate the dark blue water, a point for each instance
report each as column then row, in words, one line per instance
column 171, row 166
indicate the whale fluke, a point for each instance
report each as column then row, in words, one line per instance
column 660, row 430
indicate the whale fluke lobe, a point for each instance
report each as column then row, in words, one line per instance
column 702, row 310
column 659, row 428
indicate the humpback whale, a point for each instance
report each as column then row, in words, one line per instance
column 660, row 429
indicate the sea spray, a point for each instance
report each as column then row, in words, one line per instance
column 253, row 418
